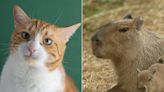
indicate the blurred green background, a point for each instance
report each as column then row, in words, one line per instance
column 60, row 12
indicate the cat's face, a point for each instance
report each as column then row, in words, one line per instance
column 39, row 42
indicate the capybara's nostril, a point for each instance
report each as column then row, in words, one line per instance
column 96, row 40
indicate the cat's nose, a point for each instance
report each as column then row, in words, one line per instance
column 31, row 50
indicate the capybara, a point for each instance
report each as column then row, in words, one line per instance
column 130, row 46
column 152, row 79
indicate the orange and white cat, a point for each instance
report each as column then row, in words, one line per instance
column 35, row 60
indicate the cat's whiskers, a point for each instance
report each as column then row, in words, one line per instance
column 5, row 51
column 70, row 68
column 65, row 62
column 32, row 14
column 4, row 43
column 4, row 48
column 8, row 45
column 59, row 16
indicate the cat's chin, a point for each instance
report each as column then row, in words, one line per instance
column 31, row 61
column 30, row 58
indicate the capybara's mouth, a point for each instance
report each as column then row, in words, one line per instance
column 94, row 49
column 96, row 46
column 98, row 56
column 95, row 53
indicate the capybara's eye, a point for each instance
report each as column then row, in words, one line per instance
column 149, row 79
column 123, row 29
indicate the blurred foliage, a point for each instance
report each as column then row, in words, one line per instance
column 92, row 7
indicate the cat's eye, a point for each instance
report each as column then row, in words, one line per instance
column 123, row 29
column 47, row 41
column 25, row 35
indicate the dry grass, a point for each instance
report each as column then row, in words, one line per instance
column 98, row 74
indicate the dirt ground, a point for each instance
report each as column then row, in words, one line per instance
column 98, row 74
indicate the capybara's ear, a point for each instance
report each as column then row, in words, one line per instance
column 150, row 77
column 138, row 70
column 138, row 23
column 128, row 16
column 153, row 70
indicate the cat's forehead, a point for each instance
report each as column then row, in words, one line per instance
column 49, row 31
column 41, row 27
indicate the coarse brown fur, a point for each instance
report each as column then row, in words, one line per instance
column 46, row 30
column 130, row 46
column 151, row 80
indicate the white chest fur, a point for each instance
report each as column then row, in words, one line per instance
column 17, row 76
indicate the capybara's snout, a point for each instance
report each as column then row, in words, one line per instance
column 96, row 40
column 96, row 44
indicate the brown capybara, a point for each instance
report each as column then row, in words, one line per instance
column 130, row 46
column 152, row 79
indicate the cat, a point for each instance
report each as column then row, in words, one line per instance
column 35, row 60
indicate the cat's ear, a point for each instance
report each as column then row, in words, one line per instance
column 67, row 32
column 20, row 17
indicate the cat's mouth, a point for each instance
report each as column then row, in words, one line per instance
column 31, row 56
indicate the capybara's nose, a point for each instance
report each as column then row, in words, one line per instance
column 96, row 40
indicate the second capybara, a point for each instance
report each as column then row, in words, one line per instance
column 151, row 80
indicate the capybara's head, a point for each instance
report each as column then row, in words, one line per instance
column 117, row 38
column 144, row 80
